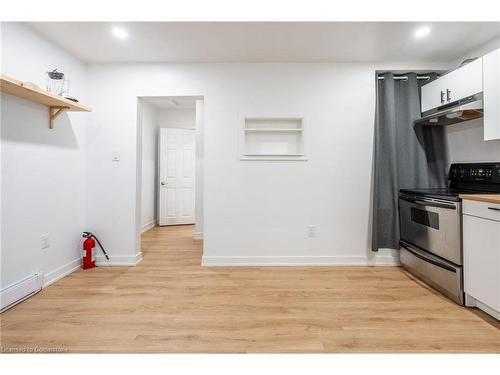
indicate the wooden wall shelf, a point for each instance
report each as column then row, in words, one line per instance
column 56, row 104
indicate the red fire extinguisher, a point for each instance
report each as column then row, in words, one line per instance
column 88, row 260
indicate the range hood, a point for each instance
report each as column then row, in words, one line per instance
column 466, row 109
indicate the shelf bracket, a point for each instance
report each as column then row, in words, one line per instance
column 53, row 113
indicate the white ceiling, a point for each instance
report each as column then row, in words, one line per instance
column 268, row 41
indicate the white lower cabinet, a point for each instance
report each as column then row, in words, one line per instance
column 481, row 240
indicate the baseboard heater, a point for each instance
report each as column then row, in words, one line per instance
column 18, row 292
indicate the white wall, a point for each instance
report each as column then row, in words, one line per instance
column 184, row 118
column 199, row 184
column 254, row 211
column 466, row 143
column 465, row 140
column 149, row 125
column 42, row 170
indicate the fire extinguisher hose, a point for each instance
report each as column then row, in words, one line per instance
column 89, row 234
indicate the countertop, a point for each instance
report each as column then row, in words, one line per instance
column 490, row 198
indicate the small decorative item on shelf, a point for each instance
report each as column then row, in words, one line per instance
column 57, row 84
column 30, row 85
column 69, row 97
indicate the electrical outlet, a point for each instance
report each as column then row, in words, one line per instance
column 115, row 155
column 45, row 241
column 311, row 230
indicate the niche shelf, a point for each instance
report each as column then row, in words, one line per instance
column 272, row 138
column 55, row 103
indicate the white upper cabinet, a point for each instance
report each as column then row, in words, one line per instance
column 458, row 84
column 491, row 95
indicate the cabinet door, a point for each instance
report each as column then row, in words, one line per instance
column 433, row 94
column 465, row 81
column 482, row 260
column 491, row 95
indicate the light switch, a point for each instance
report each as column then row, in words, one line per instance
column 311, row 229
column 115, row 155
column 45, row 239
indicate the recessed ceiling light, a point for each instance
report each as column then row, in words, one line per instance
column 119, row 32
column 422, row 32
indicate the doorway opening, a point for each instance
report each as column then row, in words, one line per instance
column 170, row 162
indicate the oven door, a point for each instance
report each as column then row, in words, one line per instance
column 432, row 225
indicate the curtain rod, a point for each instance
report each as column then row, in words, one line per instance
column 398, row 78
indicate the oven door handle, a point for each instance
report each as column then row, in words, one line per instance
column 427, row 259
column 430, row 204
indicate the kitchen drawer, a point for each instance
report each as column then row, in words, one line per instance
column 481, row 209
column 434, row 271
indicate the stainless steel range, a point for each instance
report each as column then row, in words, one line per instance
column 431, row 226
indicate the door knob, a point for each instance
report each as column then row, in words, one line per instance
column 163, row 183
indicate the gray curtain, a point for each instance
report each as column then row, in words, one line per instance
column 405, row 155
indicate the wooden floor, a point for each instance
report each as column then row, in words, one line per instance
column 168, row 303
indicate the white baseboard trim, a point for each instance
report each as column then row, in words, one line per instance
column 19, row 291
column 198, row 235
column 59, row 273
column 118, row 260
column 148, row 226
column 216, row 261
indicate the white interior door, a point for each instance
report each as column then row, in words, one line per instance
column 177, row 176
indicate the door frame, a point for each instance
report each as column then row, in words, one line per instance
column 199, row 165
